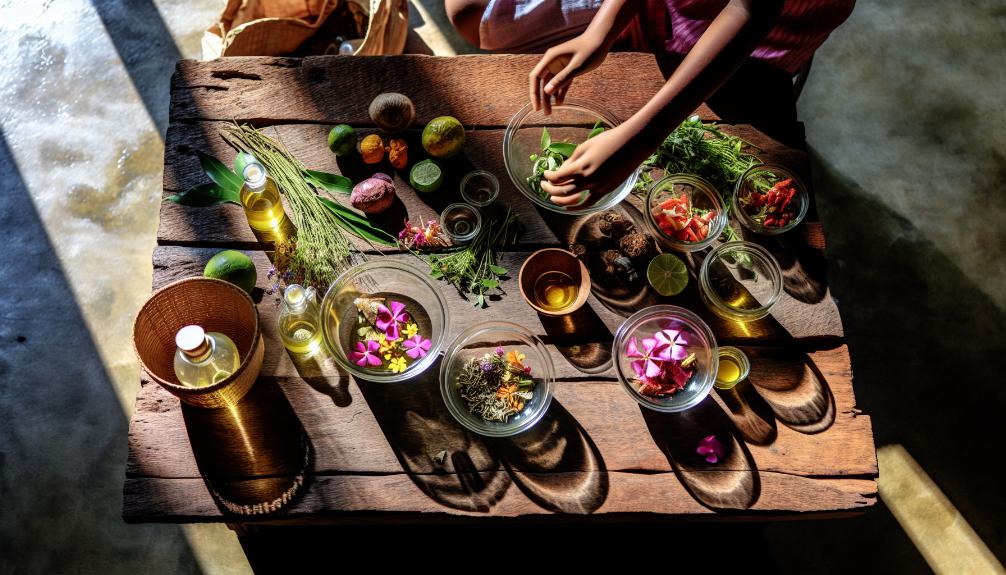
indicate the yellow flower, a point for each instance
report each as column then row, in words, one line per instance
column 410, row 330
column 397, row 365
column 386, row 345
column 515, row 358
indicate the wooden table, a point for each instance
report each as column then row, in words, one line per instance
column 309, row 443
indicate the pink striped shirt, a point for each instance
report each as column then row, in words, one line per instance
column 800, row 29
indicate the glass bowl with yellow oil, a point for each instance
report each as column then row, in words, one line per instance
column 734, row 368
column 477, row 358
column 665, row 338
column 740, row 281
column 554, row 282
column 361, row 306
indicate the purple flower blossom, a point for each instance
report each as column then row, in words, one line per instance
column 416, row 346
column 366, row 353
column 711, row 448
column 272, row 272
column 673, row 342
column 499, row 351
column 649, row 363
column 388, row 320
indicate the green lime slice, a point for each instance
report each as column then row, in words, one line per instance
column 426, row 176
column 667, row 274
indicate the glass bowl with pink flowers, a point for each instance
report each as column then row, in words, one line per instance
column 666, row 358
column 497, row 378
column 384, row 321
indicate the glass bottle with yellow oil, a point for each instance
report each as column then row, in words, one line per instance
column 204, row 358
column 300, row 320
column 261, row 201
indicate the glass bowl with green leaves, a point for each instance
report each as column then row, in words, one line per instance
column 534, row 143
column 497, row 379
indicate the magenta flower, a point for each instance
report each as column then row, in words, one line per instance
column 416, row 346
column 673, row 342
column 649, row 363
column 366, row 353
column 711, row 448
column 388, row 319
column 499, row 351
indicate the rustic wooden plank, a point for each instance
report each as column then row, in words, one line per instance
column 480, row 90
column 493, row 495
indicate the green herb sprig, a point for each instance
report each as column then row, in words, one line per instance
column 474, row 268
column 551, row 156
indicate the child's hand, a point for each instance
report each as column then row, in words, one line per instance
column 598, row 166
column 559, row 65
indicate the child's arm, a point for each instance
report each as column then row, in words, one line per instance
column 561, row 63
column 602, row 162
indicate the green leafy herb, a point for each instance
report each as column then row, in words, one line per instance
column 496, row 386
column 206, row 195
column 219, row 173
column 551, row 156
column 473, row 269
column 358, row 225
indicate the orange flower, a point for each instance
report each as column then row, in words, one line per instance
column 515, row 358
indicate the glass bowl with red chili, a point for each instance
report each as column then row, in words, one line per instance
column 685, row 212
column 770, row 199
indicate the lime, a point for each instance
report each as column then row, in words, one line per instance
column 667, row 274
column 342, row 140
column 443, row 137
column 232, row 266
column 242, row 160
column 426, row 176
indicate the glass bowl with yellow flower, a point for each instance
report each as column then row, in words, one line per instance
column 497, row 379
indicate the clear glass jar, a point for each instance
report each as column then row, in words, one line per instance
column 204, row 358
column 300, row 320
column 756, row 181
column 461, row 222
column 480, row 188
column 734, row 368
column 740, row 281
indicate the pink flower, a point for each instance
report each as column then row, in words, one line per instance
column 366, row 353
column 388, row 319
column 711, row 448
column 649, row 363
column 416, row 346
column 499, row 351
column 673, row 342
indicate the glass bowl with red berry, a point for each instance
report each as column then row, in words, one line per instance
column 666, row 358
column 685, row 212
column 770, row 199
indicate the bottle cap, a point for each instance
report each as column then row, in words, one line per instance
column 254, row 175
column 294, row 294
column 190, row 338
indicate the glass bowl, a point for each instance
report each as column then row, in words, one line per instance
column 480, row 188
column 750, row 195
column 461, row 222
column 740, row 281
column 488, row 338
column 570, row 122
column 634, row 350
column 668, row 220
column 357, row 292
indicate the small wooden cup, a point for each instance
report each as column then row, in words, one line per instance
column 215, row 305
column 553, row 259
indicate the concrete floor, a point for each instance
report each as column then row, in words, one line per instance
column 903, row 113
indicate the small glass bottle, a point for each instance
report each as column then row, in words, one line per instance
column 300, row 320
column 261, row 201
column 204, row 358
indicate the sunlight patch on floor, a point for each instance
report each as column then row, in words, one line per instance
column 941, row 534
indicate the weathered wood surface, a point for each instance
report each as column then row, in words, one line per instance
column 796, row 444
column 480, row 91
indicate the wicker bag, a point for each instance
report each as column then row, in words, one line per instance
column 304, row 27
column 215, row 305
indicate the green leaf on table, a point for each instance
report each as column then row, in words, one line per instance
column 333, row 183
column 358, row 225
column 220, row 173
column 206, row 195
column 597, row 129
column 490, row 283
column 500, row 271
column 545, row 139
column 564, row 148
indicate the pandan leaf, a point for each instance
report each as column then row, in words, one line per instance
column 358, row 225
column 545, row 139
column 220, row 173
column 206, row 195
column 564, row 148
column 333, row 183
column 240, row 161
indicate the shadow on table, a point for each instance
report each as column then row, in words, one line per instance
column 418, row 427
column 804, row 268
column 733, row 482
column 751, row 414
column 581, row 337
column 793, row 387
column 323, row 375
column 555, row 463
column 254, row 455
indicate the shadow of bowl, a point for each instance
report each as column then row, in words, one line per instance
column 582, row 338
column 793, row 388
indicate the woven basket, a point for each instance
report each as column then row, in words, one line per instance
column 215, row 305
